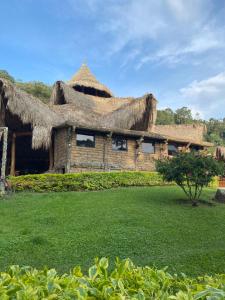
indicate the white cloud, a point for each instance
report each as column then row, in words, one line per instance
column 205, row 40
column 206, row 96
column 165, row 31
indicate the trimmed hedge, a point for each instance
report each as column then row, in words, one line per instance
column 88, row 181
column 125, row 281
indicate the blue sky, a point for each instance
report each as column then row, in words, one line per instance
column 172, row 48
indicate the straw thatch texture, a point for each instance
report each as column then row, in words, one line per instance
column 68, row 106
column 124, row 113
column 137, row 114
column 30, row 111
column 85, row 78
column 72, row 108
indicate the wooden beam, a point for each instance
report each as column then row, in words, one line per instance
column 28, row 133
column 13, row 155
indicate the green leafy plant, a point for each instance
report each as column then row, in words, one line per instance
column 124, row 281
column 191, row 171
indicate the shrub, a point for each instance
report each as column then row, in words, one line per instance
column 89, row 181
column 125, row 281
column 191, row 171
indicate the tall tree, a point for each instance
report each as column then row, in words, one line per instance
column 165, row 117
column 183, row 115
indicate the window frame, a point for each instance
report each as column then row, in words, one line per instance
column 120, row 137
column 148, row 142
column 90, row 134
column 176, row 146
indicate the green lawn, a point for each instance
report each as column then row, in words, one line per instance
column 152, row 226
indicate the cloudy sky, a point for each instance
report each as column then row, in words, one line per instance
column 172, row 48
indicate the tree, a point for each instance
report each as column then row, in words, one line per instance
column 191, row 171
column 165, row 117
column 5, row 75
column 183, row 116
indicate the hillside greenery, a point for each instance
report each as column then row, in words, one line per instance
column 35, row 88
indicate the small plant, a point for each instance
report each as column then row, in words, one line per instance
column 191, row 171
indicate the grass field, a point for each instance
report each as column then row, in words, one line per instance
column 152, row 226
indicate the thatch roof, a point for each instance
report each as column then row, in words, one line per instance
column 31, row 111
column 185, row 140
column 68, row 107
column 193, row 133
column 84, row 78
column 124, row 113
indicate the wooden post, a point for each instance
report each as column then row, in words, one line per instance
column 4, row 159
column 4, row 152
column 70, row 135
column 13, row 155
column 51, row 156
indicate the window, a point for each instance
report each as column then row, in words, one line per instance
column 148, row 147
column 195, row 148
column 172, row 149
column 119, row 144
column 85, row 140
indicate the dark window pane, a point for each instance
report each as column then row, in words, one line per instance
column 148, row 147
column 119, row 144
column 85, row 140
column 172, row 150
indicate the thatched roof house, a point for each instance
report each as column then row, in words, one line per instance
column 82, row 105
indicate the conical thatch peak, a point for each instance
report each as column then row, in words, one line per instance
column 84, row 81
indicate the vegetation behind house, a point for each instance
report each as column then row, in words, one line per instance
column 35, row 88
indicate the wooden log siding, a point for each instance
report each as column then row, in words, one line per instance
column 60, row 149
column 103, row 157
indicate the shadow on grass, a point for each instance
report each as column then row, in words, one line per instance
column 201, row 202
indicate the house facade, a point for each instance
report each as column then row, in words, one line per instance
column 86, row 128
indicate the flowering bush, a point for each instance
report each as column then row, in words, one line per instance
column 191, row 171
